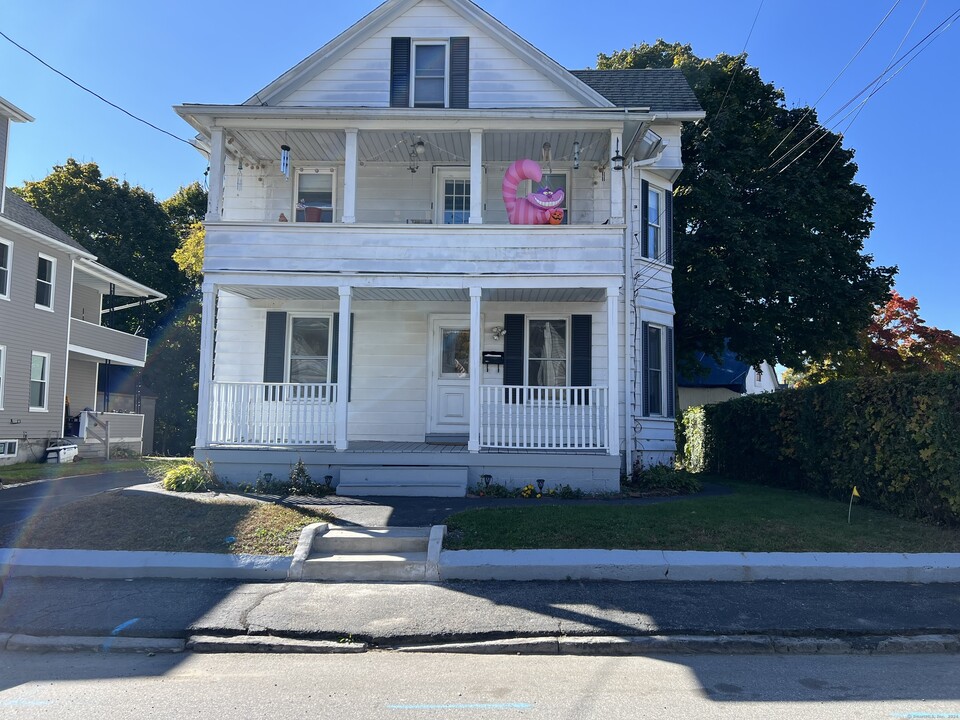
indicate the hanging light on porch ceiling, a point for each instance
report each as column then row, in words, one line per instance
column 616, row 162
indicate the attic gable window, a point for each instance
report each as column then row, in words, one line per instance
column 430, row 73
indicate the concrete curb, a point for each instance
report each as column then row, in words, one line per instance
column 645, row 565
column 271, row 644
column 122, row 564
column 68, row 643
column 304, row 546
column 434, row 552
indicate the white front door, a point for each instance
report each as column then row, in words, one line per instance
column 449, row 378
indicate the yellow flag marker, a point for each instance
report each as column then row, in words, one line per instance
column 852, row 496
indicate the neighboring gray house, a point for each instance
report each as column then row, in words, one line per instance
column 433, row 254
column 51, row 337
column 724, row 380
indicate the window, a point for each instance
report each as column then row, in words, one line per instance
column 456, row 201
column 551, row 181
column 3, row 371
column 39, row 375
column 657, row 375
column 430, row 75
column 315, row 195
column 8, row 448
column 652, row 248
column 6, row 262
column 310, row 348
column 547, row 353
column 46, row 272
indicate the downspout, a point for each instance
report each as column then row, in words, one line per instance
column 629, row 307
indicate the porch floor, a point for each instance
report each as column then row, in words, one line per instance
column 384, row 446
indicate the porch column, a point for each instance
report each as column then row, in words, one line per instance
column 613, row 371
column 205, row 394
column 476, row 338
column 218, row 159
column 350, row 178
column 616, row 179
column 476, row 177
column 343, row 368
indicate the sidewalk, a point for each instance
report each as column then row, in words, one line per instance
column 543, row 617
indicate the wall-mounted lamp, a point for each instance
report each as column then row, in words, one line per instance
column 616, row 162
column 497, row 332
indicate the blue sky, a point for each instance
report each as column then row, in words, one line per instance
column 149, row 56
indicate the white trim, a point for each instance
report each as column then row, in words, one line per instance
column 645, row 371
column 46, row 382
column 5, row 292
column 101, row 355
column 437, row 322
column 659, row 251
column 344, row 361
column 3, row 371
column 53, row 282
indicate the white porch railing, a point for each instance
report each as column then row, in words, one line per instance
column 273, row 413
column 535, row 418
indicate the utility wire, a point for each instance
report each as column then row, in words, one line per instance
column 839, row 75
column 96, row 95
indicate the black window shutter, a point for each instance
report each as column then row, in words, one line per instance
column 400, row 72
column 671, row 389
column 644, row 216
column 275, row 348
column 668, row 227
column 460, row 72
column 513, row 326
column 581, row 353
column 335, row 352
column 644, row 368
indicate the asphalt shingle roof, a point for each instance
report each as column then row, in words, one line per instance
column 660, row 89
column 21, row 212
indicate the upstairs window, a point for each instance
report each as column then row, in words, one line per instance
column 315, row 195
column 46, row 271
column 654, row 222
column 3, row 366
column 6, row 260
column 656, row 219
column 430, row 73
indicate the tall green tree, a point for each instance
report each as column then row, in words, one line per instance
column 123, row 225
column 769, row 220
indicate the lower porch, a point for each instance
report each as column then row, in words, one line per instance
column 595, row 471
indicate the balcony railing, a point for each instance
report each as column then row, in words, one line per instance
column 543, row 418
column 273, row 413
column 106, row 343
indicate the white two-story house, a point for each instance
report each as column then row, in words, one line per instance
column 376, row 299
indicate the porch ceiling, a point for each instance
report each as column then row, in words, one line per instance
column 387, row 294
column 441, row 148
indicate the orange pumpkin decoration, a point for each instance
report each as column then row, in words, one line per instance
column 556, row 216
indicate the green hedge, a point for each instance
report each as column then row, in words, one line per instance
column 897, row 438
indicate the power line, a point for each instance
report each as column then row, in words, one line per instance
column 97, row 95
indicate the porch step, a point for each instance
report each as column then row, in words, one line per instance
column 364, row 554
column 409, row 480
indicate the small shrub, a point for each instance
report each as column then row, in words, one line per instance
column 565, row 492
column 494, row 490
column 191, row 477
column 298, row 483
column 658, row 478
column 123, row 453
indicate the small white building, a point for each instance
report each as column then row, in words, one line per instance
column 370, row 308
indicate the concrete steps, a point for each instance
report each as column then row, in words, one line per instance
column 415, row 481
column 368, row 554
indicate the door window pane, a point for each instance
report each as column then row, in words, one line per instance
column 455, row 358
column 456, row 202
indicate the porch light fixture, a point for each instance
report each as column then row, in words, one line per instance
column 616, row 162
column 497, row 332
column 417, row 151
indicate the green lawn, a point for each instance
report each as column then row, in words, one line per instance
column 751, row 519
column 26, row 472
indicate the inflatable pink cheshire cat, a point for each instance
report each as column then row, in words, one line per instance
column 538, row 208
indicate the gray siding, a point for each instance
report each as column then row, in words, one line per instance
column 24, row 329
column 81, row 385
column 86, row 304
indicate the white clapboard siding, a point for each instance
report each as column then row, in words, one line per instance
column 415, row 249
column 498, row 77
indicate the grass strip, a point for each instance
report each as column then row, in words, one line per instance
column 751, row 519
column 28, row 472
column 125, row 520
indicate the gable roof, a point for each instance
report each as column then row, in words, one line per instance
column 391, row 9
column 660, row 89
column 18, row 210
column 729, row 373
